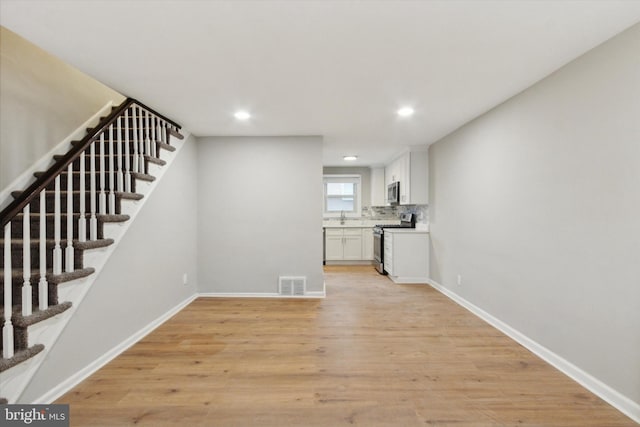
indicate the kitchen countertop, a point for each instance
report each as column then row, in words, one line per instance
column 357, row 223
column 416, row 230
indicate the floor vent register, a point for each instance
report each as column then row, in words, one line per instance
column 292, row 285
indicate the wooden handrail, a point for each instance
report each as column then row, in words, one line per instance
column 15, row 207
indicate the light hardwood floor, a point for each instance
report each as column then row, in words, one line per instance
column 372, row 353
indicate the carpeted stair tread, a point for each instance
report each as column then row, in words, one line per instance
column 20, row 356
column 129, row 196
column 175, row 133
column 166, row 146
column 63, row 192
column 113, row 217
column 68, row 276
column 52, row 278
column 143, row 176
column 38, row 315
column 89, row 244
column 93, row 244
column 155, row 160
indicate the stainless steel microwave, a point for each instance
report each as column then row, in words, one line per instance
column 393, row 193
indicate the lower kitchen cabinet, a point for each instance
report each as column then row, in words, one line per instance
column 367, row 244
column 406, row 255
column 348, row 244
column 334, row 244
column 352, row 249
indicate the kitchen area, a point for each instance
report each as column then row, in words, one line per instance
column 378, row 216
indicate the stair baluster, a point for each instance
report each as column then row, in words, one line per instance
column 141, row 141
column 147, row 141
column 43, row 285
column 134, row 128
column 69, row 252
column 82, row 221
column 112, row 167
column 165, row 139
column 159, row 132
column 26, row 262
column 127, row 159
column 7, row 329
column 154, row 136
column 102, row 205
column 57, row 225
column 93, row 221
column 120, row 176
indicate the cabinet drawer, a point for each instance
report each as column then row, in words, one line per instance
column 352, row 232
column 333, row 232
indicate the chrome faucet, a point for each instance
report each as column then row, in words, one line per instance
column 342, row 217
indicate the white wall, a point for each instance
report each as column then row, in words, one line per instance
column 537, row 205
column 140, row 282
column 43, row 101
column 259, row 213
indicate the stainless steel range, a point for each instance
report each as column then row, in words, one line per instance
column 407, row 220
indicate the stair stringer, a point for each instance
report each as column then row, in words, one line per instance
column 14, row 381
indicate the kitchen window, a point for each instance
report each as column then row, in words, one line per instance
column 342, row 195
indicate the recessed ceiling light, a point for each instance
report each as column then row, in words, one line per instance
column 242, row 115
column 350, row 158
column 405, row 112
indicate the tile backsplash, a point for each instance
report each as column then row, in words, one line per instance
column 392, row 212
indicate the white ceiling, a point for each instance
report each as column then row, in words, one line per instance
column 334, row 68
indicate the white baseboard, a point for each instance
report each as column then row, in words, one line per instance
column 616, row 399
column 352, row 262
column 308, row 295
column 25, row 178
column 88, row 370
column 407, row 280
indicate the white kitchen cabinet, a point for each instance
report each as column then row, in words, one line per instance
column 352, row 250
column 378, row 187
column 392, row 172
column 367, row 243
column 406, row 255
column 412, row 171
column 334, row 244
column 343, row 244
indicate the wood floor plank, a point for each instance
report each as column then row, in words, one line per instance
column 373, row 353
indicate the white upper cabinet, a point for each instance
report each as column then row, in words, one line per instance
column 412, row 171
column 378, row 187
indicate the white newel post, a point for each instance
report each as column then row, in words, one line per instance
column 57, row 226
column 69, row 252
column 82, row 221
column 26, row 262
column 112, row 166
column 43, row 286
column 7, row 329
column 127, row 159
column 93, row 221
column 102, row 201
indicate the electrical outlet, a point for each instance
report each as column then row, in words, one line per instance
column 185, row 279
column 459, row 279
